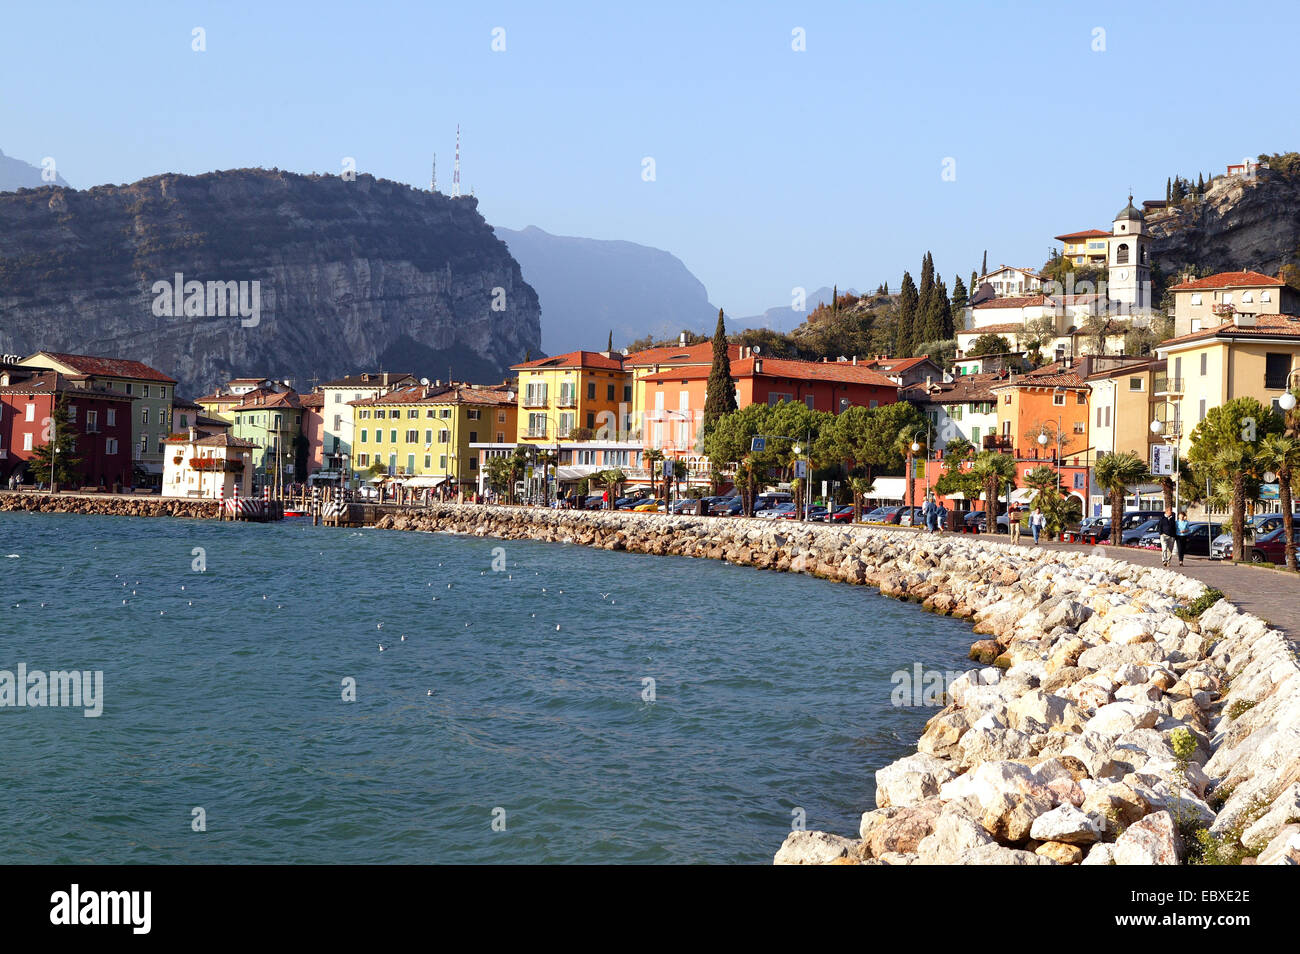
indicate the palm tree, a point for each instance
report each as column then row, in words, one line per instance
column 859, row 486
column 1117, row 472
column 958, row 449
column 612, row 479
column 1231, row 464
column 652, row 457
column 994, row 471
column 1281, row 454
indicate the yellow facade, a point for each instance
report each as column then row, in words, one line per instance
column 1206, row 373
column 581, row 390
column 426, row 432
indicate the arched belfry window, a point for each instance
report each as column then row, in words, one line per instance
column 1121, row 254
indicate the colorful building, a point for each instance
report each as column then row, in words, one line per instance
column 1249, row 356
column 588, row 390
column 313, row 430
column 100, row 417
column 964, row 407
column 338, row 453
column 1043, row 421
column 151, row 390
column 271, row 421
column 421, row 435
column 1089, row 247
column 1208, row 302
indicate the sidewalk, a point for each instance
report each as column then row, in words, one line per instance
column 1271, row 594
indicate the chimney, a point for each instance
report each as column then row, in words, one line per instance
column 929, row 381
column 365, row 376
column 681, row 339
column 194, row 434
column 758, row 365
column 855, row 360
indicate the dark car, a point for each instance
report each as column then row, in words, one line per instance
column 909, row 517
column 728, row 507
column 879, row 514
column 977, row 520
column 1132, row 536
column 841, row 514
column 1196, row 541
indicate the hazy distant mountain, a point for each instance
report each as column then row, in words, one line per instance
column 589, row 287
column 784, row 318
column 16, row 174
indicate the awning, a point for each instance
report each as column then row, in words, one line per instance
column 578, row 471
column 424, row 481
column 1023, row 495
column 149, row 466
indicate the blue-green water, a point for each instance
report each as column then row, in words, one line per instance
column 772, row 692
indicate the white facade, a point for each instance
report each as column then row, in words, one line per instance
column 1128, row 262
column 181, row 478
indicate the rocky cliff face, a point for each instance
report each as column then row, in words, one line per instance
column 353, row 275
column 1241, row 224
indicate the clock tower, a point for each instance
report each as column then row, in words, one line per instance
column 1128, row 263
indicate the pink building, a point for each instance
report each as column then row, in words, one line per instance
column 313, row 428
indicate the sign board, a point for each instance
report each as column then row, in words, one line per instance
column 1268, row 491
column 667, row 467
column 825, row 489
column 800, row 468
column 1162, row 460
column 757, row 444
column 528, row 472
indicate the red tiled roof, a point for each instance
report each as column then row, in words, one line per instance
column 572, row 359
column 47, row 381
column 1024, row 301
column 371, row 379
column 1230, row 280
column 107, row 367
column 963, row 389
column 894, row 365
column 1086, row 233
column 313, row 400
column 435, row 394
column 250, row 400
column 212, row 440
column 701, row 353
column 1012, row 328
column 1054, row 375
column 842, row 371
column 1274, row 326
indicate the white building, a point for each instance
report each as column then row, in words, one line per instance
column 208, row 468
column 1007, row 281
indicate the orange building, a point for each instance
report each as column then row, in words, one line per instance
column 674, row 397
column 1043, row 420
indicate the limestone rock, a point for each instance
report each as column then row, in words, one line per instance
column 1152, row 840
column 813, row 848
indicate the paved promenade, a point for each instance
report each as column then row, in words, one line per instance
column 1271, row 594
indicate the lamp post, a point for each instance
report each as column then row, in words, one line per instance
column 1157, row 427
column 1287, row 401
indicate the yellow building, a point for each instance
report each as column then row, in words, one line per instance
column 581, row 389
column 1251, row 356
column 1089, row 247
column 420, row 435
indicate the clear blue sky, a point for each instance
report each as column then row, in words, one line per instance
column 775, row 168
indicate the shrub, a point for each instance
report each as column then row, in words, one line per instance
column 1200, row 604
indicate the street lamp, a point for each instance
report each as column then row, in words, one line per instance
column 1287, row 401
column 1157, row 428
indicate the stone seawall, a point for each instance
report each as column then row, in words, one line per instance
column 1101, row 728
column 105, row 505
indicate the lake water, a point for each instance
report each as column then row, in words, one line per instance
column 223, row 691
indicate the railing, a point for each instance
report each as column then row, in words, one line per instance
column 1169, row 429
column 996, row 442
column 536, row 433
column 1164, row 384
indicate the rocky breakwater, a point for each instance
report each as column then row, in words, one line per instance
column 108, row 506
column 1102, row 725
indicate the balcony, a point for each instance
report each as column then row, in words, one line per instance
column 1166, row 386
column 996, row 442
column 566, row 400
column 536, row 433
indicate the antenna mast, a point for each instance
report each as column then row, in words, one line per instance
column 455, row 175
column 433, row 176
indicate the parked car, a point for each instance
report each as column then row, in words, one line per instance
column 977, row 520
column 1259, row 524
column 1268, row 548
column 777, row 510
column 649, row 506
column 1087, row 529
column 726, row 507
column 841, row 514
column 1133, row 536
column 1196, row 541
column 881, row 515
column 771, row 499
column 909, row 517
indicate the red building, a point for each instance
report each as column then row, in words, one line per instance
column 101, row 420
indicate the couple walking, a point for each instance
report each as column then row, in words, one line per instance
column 935, row 515
column 1172, row 536
column 1037, row 523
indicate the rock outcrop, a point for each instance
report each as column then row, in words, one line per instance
column 365, row 273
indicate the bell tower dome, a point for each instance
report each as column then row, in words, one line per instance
column 1128, row 263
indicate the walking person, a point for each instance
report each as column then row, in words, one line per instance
column 1167, row 527
column 940, row 517
column 1183, row 525
column 1037, row 521
column 927, row 515
column 1013, row 524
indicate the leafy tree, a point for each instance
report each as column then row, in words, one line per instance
column 1039, row 333
column 1281, row 455
column 1226, row 445
column 57, row 456
column 989, row 344
column 958, row 449
column 1059, row 510
column 720, row 397
column 612, row 480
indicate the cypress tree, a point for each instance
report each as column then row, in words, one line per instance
column 835, row 298
column 974, row 282
column 984, row 267
column 947, row 315
column 610, row 346
column 1169, row 189
column 1200, row 184
column 905, row 326
column 720, row 398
